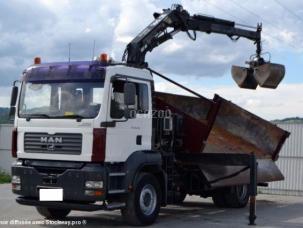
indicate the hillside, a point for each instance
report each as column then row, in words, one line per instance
column 289, row 120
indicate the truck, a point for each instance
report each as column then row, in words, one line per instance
column 96, row 135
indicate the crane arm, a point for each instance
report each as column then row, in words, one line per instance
column 177, row 20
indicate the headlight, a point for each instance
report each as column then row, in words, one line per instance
column 19, row 163
column 16, row 183
column 16, row 180
column 94, row 184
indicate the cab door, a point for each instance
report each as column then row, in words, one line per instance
column 126, row 135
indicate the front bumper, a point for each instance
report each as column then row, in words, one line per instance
column 70, row 205
column 71, row 180
column 61, row 205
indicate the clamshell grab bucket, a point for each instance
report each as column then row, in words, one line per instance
column 269, row 75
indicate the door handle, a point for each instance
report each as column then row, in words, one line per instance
column 139, row 140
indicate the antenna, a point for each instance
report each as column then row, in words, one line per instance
column 94, row 46
column 69, row 47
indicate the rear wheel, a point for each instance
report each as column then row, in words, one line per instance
column 143, row 204
column 237, row 196
column 51, row 213
column 234, row 197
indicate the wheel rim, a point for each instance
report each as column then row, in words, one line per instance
column 148, row 199
column 242, row 192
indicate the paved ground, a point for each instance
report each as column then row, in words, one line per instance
column 272, row 211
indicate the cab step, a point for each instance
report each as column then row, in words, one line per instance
column 117, row 174
column 115, row 205
column 116, row 191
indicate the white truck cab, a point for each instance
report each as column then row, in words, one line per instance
column 74, row 132
column 76, row 109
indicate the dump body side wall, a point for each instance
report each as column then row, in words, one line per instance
column 221, row 127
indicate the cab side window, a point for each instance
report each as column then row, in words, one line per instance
column 117, row 106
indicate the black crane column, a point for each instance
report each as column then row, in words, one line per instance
column 253, row 189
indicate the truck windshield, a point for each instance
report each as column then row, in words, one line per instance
column 60, row 99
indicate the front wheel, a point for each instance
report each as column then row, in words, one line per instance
column 51, row 213
column 143, row 204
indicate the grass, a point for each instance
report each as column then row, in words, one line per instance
column 4, row 177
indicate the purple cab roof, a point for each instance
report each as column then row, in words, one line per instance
column 66, row 71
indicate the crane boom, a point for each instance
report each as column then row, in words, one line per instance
column 176, row 19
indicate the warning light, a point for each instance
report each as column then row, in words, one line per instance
column 37, row 60
column 104, row 57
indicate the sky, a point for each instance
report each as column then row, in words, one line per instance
column 45, row 27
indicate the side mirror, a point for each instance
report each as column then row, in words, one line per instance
column 14, row 95
column 129, row 94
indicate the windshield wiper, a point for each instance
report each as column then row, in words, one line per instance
column 78, row 117
column 36, row 115
column 41, row 115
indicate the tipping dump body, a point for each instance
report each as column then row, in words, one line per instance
column 219, row 126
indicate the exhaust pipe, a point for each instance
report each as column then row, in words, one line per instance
column 268, row 75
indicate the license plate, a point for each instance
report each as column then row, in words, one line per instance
column 51, row 194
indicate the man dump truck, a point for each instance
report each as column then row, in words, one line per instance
column 95, row 135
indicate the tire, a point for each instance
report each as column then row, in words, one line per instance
column 237, row 196
column 51, row 213
column 143, row 204
column 231, row 197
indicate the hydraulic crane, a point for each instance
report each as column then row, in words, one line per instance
column 176, row 19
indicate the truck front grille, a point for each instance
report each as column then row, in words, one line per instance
column 60, row 143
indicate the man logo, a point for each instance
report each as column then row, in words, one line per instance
column 51, row 139
column 51, row 142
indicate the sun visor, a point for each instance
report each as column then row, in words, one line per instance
column 64, row 72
